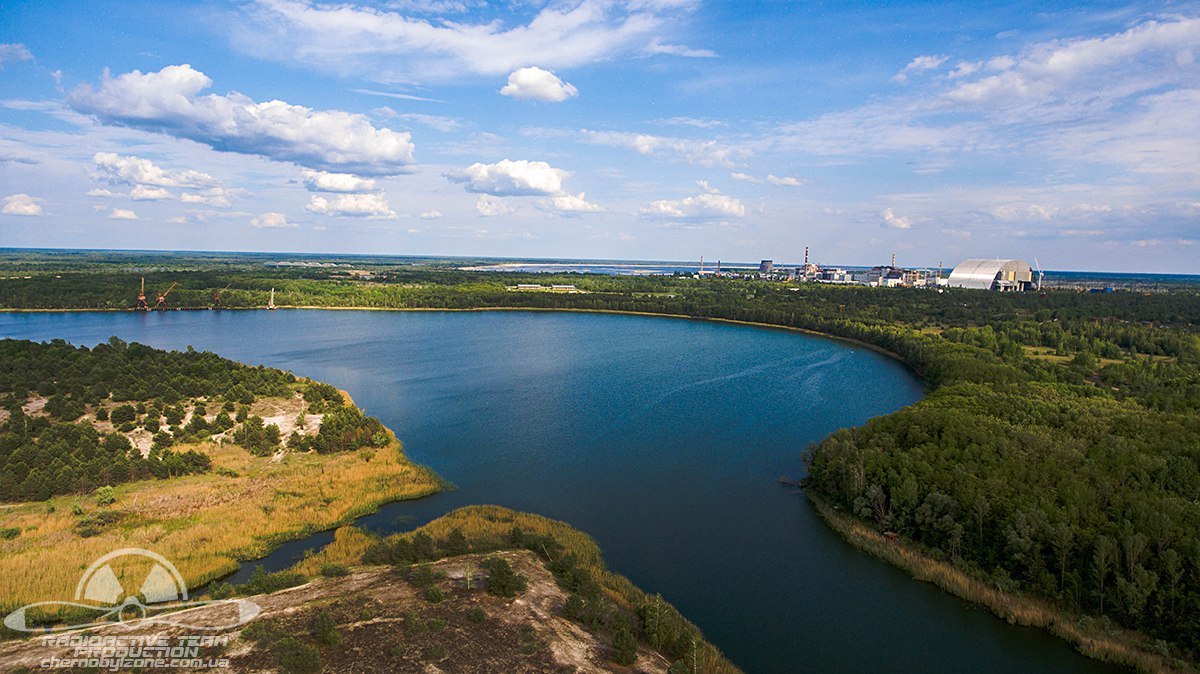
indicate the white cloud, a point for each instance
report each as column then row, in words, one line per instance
column 511, row 178
column 323, row 181
column 431, row 215
column 392, row 46
column 701, row 152
column 22, row 204
column 919, row 65
column 271, row 221
column 122, row 214
column 351, row 205
column 535, row 84
column 785, row 181
column 657, row 46
column 169, row 101
column 893, row 221
column 98, row 192
column 1139, row 59
column 491, row 206
column 147, row 193
column 217, row 197
column 710, row 205
column 131, row 170
column 771, row 179
column 570, row 203
column 10, row 52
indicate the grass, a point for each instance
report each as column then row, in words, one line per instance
column 1093, row 639
column 204, row 524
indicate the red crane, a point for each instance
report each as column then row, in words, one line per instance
column 141, row 301
column 217, row 297
column 161, row 305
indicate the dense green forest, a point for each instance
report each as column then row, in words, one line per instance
column 1057, row 451
column 134, row 386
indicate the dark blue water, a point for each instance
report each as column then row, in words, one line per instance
column 661, row 438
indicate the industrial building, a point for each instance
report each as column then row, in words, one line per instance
column 1000, row 275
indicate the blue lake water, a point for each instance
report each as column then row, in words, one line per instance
column 662, row 438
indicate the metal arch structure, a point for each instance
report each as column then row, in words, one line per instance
column 985, row 274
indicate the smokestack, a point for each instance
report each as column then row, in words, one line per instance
column 806, row 256
column 893, row 260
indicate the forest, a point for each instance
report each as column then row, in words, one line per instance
column 1057, row 451
column 132, row 386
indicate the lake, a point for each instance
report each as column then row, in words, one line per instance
column 662, row 438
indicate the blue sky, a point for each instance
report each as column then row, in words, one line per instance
column 644, row 129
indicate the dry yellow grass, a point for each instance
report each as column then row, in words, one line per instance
column 1113, row 645
column 204, row 523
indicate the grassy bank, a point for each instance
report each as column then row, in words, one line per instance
column 1090, row 637
column 207, row 523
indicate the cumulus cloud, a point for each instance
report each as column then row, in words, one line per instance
column 397, row 46
column 147, row 193
column 98, row 192
column 323, row 181
column 535, row 84
column 169, row 101
column 700, row 152
column 351, row 205
column 431, row 215
column 131, row 170
column 571, row 204
column 11, row 52
column 21, row 204
column 217, row 197
column 919, row 65
column 511, row 178
column 271, row 221
column 893, row 221
column 122, row 214
column 490, row 206
column 710, row 205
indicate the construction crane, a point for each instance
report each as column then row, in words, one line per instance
column 141, row 298
column 217, row 297
column 161, row 305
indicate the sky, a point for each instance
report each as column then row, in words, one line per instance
column 1066, row 133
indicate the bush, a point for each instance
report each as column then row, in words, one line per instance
column 106, row 495
column 433, row 594
column 122, row 414
column 296, row 657
column 332, row 570
column 324, row 630
column 477, row 615
column 624, row 646
column 262, row 582
column 502, row 581
column 9, row 533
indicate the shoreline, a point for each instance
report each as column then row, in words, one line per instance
column 1119, row 646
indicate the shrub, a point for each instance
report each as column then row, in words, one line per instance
column 433, row 594
column 332, row 570
column 324, row 630
column 624, row 646
column 106, row 495
column 296, row 657
column 502, row 580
